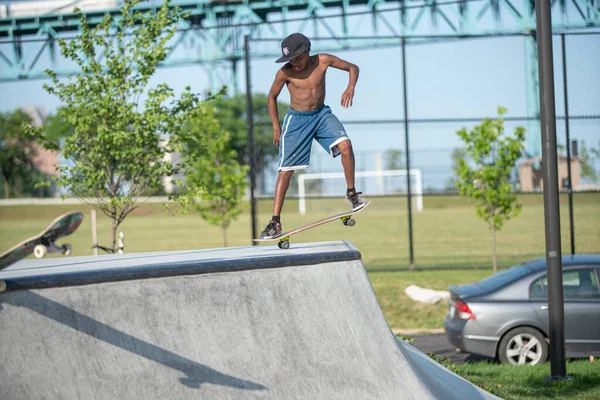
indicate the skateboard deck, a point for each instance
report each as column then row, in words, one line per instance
column 283, row 239
column 44, row 242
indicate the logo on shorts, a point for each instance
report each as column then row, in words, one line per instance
column 285, row 51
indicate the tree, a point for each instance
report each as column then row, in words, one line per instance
column 17, row 152
column 118, row 145
column 214, row 180
column 590, row 157
column 457, row 154
column 56, row 127
column 484, row 174
column 394, row 159
column 231, row 113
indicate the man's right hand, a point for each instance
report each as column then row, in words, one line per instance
column 276, row 136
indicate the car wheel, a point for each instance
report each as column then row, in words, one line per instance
column 522, row 346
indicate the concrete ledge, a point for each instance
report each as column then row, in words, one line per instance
column 74, row 271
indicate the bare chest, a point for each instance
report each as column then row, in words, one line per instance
column 315, row 79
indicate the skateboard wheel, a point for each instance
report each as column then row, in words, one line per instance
column 2, row 286
column 284, row 245
column 40, row 251
column 67, row 249
column 350, row 222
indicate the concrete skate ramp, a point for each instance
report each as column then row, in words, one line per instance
column 249, row 322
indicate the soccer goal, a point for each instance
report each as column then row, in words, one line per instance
column 417, row 184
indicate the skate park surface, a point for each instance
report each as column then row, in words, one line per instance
column 248, row 322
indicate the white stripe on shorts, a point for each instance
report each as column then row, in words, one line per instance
column 293, row 168
column 340, row 140
column 281, row 141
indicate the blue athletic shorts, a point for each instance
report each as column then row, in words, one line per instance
column 298, row 131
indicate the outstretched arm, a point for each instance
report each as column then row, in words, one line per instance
column 352, row 69
column 280, row 79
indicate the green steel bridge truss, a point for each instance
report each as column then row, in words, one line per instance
column 213, row 32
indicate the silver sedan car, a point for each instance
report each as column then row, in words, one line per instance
column 505, row 316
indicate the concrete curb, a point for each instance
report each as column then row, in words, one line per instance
column 417, row 331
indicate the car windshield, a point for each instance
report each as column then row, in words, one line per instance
column 505, row 277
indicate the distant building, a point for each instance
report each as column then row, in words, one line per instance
column 530, row 173
column 167, row 181
column 44, row 160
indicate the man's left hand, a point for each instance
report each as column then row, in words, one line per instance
column 347, row 97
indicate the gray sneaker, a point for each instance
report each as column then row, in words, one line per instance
column 355, row 200
column 271, row 230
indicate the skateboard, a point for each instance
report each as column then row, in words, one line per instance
column 283, row 239
column 44, row 242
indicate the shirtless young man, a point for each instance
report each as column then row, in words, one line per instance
column 308, row 118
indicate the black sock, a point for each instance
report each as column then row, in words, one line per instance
column 349, row 190
column 276, row 218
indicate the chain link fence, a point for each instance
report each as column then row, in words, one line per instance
column 453, row 84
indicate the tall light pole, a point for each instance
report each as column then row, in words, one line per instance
column 558, row 369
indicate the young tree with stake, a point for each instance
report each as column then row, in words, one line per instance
column 214, row 179
column 484, row 173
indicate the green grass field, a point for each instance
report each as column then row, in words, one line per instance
column 529, row 382
column 447, row 234
column 403, row 312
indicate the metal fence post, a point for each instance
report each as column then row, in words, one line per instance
column 250, row 127
column 568, row 139
column 407, row 147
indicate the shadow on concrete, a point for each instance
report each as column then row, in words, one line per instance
column 195, row 373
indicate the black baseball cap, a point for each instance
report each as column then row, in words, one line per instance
column 292, row 46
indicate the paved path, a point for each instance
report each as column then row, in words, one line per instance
column 437, row 343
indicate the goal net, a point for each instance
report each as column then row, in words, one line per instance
column 384, row 182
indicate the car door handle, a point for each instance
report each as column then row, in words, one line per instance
column 544, row 307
